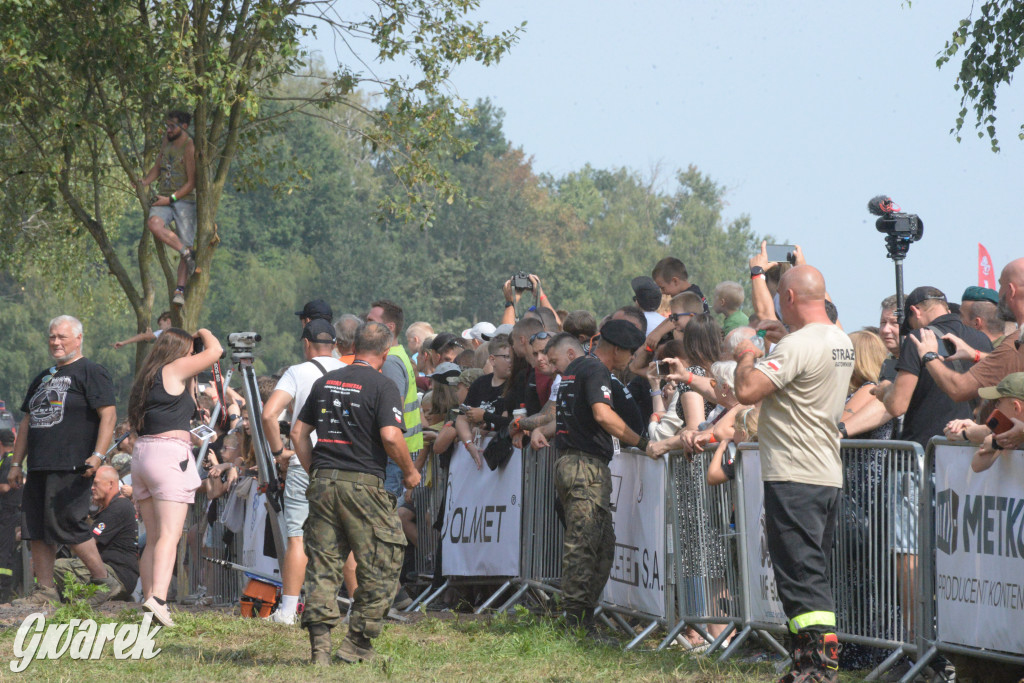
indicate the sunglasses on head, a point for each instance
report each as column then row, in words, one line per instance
column 541, row 335
column 674, row 317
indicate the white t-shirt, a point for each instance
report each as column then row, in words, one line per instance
column 797, row 428
column 653, row 320
column 298, row 380
column 557, row 382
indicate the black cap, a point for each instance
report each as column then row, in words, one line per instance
column 443, row 340
column 317, row 308
column 7, row 437
column 319, row 331
column 916, row 298
column 623, row 334
column 648, row 295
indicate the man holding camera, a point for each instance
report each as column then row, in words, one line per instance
column 926, row 409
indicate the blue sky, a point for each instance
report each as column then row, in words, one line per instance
column 803, row 110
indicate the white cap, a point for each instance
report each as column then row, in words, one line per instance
column 479, row 331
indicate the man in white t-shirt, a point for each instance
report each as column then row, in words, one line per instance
column 802, row 384
column 292, row 389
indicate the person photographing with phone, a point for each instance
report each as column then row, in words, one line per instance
column 164, row 475
column 1008, row 414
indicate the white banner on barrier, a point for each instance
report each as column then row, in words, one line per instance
column 638, row 577
column 979, row 536
column 765, row 605
column 482, row 517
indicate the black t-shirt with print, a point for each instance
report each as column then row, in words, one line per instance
column 584, row 383
column 116, row 531
column 348, row 407
column 63, row 423
column 482, row 394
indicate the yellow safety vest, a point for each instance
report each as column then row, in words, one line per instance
column 411, row 412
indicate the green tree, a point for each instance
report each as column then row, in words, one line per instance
column 992, row 46
column 86, row 85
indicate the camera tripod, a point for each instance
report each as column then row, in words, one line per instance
column 267, row 476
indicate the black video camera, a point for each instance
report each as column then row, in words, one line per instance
column 892, row 221
column 521, row 281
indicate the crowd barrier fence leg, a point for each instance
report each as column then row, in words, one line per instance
column 736, row 643
column 422, row 601
column 885, row 665
column 672, row 634
column 771, row 642
column 730, row 628
column 920, row 665
column 515, row 598
column 494, row 597
column 643, row 634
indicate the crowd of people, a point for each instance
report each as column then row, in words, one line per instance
column 374, row 398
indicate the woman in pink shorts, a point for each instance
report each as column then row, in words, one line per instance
column 164, row 475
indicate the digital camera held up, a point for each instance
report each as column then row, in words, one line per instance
column 521, row 281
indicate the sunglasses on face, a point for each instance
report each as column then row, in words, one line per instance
column 540, row 335
column 501, row 355
column 674, row 317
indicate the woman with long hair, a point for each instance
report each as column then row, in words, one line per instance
column 164, row 473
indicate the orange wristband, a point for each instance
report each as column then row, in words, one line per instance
column 977, row 356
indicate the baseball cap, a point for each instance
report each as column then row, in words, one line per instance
column 1012, row 386
column 447, row 373
column 470, row 375
column 623, row 334
column 648, row 295
column 317, row 308
column 980, row 294
column 443, row 340
column 319, row 331
column 505, row 329
column 922, row 294
column 478, row 331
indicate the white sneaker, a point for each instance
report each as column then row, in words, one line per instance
column 160, row 612
column 178, row 298
column 279, row 617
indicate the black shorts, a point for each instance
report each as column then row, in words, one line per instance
column 55, row 508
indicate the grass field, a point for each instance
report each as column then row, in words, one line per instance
column 217, row 646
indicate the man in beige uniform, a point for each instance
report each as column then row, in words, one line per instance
column 802, row 384
column 176, row 170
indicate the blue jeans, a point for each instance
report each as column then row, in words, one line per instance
column 393, row 479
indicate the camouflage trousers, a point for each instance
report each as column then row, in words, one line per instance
column 351, row 511
column 584, row 486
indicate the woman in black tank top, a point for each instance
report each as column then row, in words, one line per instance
column 164, row 476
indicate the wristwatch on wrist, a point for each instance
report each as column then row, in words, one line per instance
column 929, row 357
column 642, row 443
column 509, row 303
column 756, row 270
column 278, row 452
column 842, row 430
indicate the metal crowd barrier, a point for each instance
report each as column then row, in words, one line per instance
column 941, row 530
column 706, row 564
column 428, row 499
column 875, row 558
column 201, row 539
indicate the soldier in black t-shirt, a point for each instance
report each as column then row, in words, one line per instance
column 587, row 435
column 68, row 425
column 357, row 414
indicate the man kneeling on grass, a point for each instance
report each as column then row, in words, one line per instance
column 116, row 532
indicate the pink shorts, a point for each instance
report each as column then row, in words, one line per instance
column 157, row 472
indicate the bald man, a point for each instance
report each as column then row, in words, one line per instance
column 802, row 385
column 990, row 370
column 116, row 531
